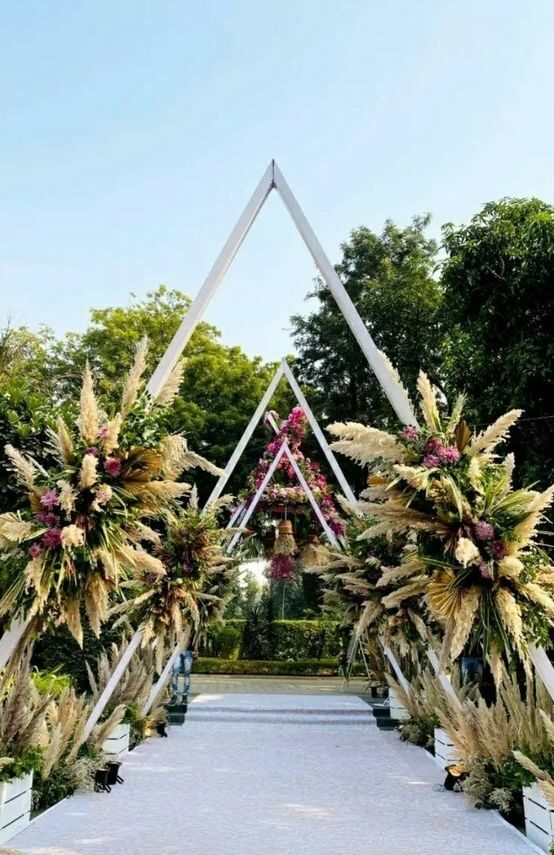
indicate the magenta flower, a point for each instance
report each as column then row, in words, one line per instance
column 485, row 570
column 433, row 446
column 103, row 431
column 52, row 538
column 35, row 550
column 112, row 466
column 431, row 461
column 47, row 518
column 448, row 455
column 498, row 549
column 49, row 499
column 410, row 432
column 483, row 530
column 92, row 450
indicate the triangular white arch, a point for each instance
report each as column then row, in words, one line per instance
column 283, row 450
column 283, row 370
column 273, row 179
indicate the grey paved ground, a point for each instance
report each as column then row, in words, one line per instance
column 225, row 684
column 246, row 775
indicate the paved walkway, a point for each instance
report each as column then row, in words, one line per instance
column 223, row 684
column 273, row 775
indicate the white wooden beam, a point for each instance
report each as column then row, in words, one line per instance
column 274, row 179
column 119, row 670
column 389, row 383
column 208, row 289
column 329, row 533
column 543, row 667
column 441, row 676
column 387, row 650
column 259, row 493
column 10, row 639
column 164, row 676
column 247, row 435
column 318, row 433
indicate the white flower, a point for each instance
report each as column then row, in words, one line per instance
column 88, row 474
column 72, row 535
column 466, row 552
column 66, row 498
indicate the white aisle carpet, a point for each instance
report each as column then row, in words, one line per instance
column 273, row 775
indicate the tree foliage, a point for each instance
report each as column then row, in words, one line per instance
column 498, row 281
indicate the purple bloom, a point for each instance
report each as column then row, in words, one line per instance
column 483, row 530
column 485, row 570
column 47, row 518
column 49, row 499
column 498, row 549
column 103, row 431
column 410, row 432
column 52, row 538
column 449, row 455
column 35, row 550
column 92, row 450
column 431, row 461
column 112, row 466
column 433, row 446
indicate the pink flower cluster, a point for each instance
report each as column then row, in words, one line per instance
column 435, row 454
column 281, row 568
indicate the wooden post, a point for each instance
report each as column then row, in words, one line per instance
column 166, row 673
column 10, row 640
column 119, row 670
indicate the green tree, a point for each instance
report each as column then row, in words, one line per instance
column 498, row 281
column 389, row 277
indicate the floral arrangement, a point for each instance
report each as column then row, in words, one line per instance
column 353, row 586
column 475, row 563
column 196, row 581
column 85, row 517
column 284, row 491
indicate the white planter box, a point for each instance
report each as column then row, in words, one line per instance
column 539, row 824
column 397, row 710
column 116, row 746
column 15, row 806
column 445, row 752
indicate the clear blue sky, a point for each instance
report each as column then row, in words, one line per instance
column 133, row 132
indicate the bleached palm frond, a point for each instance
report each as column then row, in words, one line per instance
column 486, row 441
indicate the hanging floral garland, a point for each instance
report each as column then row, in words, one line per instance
column 80, row 532
column 476, row 565
column 296, row 542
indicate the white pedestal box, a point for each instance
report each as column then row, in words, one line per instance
column 539, row 818
column 397, row 710
column 15, row 806
column 116, row 746
column 445, row 751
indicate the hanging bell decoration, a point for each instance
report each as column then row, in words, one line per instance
column 285, row 543
column 313, row 554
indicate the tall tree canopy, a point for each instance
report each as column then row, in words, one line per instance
column 498, row 281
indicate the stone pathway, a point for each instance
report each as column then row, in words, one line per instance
column 273, row 775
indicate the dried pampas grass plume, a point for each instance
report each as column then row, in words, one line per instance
column 170, row 389
column 487, row 440
column 88, row 413
column 134, row 377
column 23, row 468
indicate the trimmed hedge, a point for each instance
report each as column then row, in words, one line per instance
column 301, row 668
column 287, row 639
